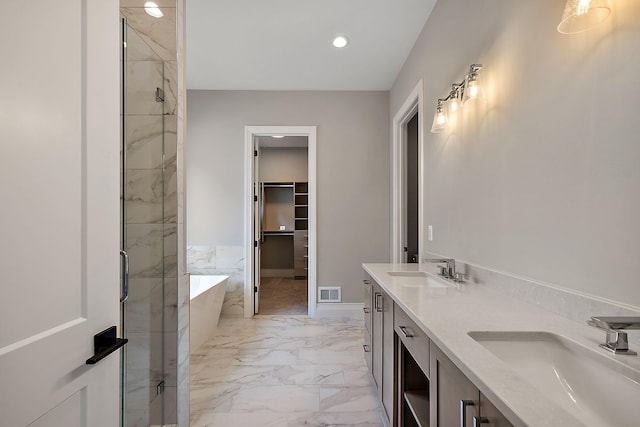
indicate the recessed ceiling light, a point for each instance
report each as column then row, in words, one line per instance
column 152, row 9
column 277, row 136
column 340, row 41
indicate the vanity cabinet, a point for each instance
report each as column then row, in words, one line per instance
column 382, row 348
column 455, row 400
column 418, row 385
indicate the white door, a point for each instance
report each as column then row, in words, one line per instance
column 59, row 130
column 258, row 216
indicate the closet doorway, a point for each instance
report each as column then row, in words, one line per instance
column 281, row 221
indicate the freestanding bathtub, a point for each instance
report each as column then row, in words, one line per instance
column 207, row 295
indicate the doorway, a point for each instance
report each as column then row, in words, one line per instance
column 283, row 206
column 407, row 176
column 280, row 220
column 410, row 177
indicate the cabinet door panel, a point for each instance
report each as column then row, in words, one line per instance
column 388, row 360
column 491, row 413
column 449, row 387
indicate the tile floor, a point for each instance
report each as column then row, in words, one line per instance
column 283, row 371
column 281, row 295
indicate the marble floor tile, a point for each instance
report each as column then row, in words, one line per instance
column 237, row 419
column 283, row 371
column 335, row 419
column 323, row 356
column 310, row 374
column 277, row 398
column 210, row 397
column 348, row 399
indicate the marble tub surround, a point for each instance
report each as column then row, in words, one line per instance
column 563, row 302
column 447, row 315
column 283, row 371
column 207, row 295
column 221, row 260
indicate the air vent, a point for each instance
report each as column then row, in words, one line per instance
column 330, row 294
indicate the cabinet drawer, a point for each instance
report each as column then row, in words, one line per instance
column 413, row 338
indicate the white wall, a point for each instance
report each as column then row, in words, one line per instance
column 542, row 180
column 352, row 172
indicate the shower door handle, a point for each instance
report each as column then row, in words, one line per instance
column 124, row 295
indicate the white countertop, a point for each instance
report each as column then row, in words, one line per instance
column 447, row 314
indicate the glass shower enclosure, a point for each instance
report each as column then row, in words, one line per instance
column 142, row 231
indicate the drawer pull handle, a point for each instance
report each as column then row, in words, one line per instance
column 403, row 329
column 379, row 302
column 366, row 310
column 463, row 411
column 366, row 282
column 366, row 348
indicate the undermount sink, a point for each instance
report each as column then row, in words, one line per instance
column 417, row 279
column 595, row 389
column 407, row 274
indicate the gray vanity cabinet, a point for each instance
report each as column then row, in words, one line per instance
column 455, row 400
column 382, row 348
column 417, row 383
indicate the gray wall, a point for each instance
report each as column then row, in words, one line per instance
column 284, row 164
column 352, row 172
column 542, row 179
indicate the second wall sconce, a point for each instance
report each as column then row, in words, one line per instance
column 461, row 93
column 580, row 15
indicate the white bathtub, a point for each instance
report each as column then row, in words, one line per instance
column 207, row 295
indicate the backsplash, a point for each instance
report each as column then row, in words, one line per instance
column 226, row 260
column 566, row 303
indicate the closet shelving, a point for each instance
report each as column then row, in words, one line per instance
column 301, row 234
column 284, row 215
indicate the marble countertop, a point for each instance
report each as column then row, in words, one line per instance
column 447, row 314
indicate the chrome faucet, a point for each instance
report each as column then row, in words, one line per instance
column 449, row 271
column 617, row 341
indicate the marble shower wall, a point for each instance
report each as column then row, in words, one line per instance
column 158, row 309
column 227, row 260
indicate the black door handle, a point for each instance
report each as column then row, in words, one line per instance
column 105, row 343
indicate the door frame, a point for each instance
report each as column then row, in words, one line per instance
column 414, row 103
column 250, row 132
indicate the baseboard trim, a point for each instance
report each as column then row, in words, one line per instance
column 339, row 309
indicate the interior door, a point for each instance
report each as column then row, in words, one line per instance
column 59, row 258
column 258, row 230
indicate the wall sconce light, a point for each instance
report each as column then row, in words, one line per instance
column 439, row 118
column 466, row 90
column 472, row 88
column 454, row 99
column 580, row 15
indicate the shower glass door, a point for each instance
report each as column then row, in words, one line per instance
column 142, row 226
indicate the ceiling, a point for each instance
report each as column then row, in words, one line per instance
column 286, row 44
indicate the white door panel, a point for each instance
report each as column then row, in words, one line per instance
column 59, row 127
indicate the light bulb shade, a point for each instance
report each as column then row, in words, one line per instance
column 454, row 105
column 580, row 15
column 439, row 119
column 473, row 89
